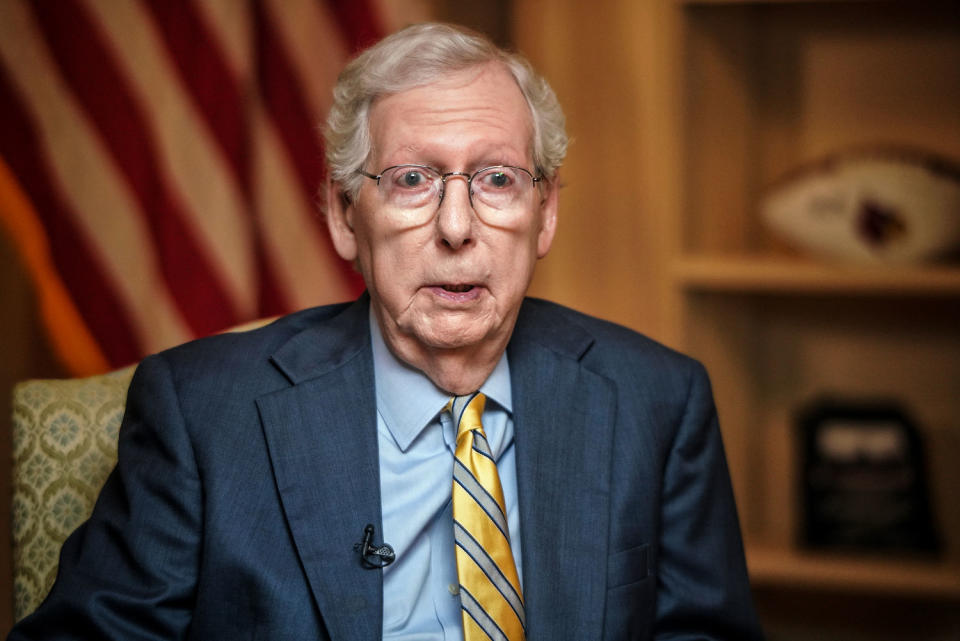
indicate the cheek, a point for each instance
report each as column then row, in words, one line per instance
column 388, row 264
column 515, row 263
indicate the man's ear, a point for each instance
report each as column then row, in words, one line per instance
column 548, row 216
column 340, row 212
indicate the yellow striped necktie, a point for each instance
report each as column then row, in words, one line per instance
column 490, row 595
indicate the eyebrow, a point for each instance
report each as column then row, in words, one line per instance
column 419, row 154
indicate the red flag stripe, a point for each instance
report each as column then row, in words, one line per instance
column 209, row 79
column 79, row 265
column 89, row 68
column 89, row 182
column 193, row 168
column 314, row 50
column 358, row 21
column 286, row 219
column 217, row 94
column 285, row 103
column 310, row 33
column 167, row 179
column 270, row 298
column 287, row 107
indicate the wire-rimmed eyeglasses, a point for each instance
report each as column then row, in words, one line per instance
column 499, row 194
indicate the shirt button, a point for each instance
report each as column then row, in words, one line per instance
column 454, row 589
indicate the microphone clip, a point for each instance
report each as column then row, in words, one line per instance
column 373, row 557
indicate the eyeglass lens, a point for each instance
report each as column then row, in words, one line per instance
column 501, row 189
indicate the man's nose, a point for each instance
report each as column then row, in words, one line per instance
column 456, row 218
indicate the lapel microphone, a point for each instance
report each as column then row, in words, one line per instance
column 373, row 557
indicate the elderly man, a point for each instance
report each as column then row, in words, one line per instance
column 537, row 473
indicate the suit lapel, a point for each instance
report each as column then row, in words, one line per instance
column 563, row 417
column 321, row 435
column 322, row 440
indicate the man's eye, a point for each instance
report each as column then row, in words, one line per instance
column 412, row 178
column 498, row 180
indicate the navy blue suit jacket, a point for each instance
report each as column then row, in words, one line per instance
column 248, row 469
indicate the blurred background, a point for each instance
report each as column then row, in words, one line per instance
column 159, row 169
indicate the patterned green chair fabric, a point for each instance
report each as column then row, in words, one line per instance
column 64, row 446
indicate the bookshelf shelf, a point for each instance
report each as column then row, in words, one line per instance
column 778, row 567
column 776, row 275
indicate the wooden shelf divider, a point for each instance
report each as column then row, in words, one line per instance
column 774, row 567
column 766, row 274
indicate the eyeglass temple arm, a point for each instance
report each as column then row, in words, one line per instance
column 371, row 176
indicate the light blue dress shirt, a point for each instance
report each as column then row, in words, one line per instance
column 416, row 442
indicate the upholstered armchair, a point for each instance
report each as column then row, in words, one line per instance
column 64, row 446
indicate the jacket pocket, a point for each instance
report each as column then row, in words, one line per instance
column 628, row 566
column 628, row 612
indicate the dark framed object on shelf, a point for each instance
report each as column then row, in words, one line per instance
column 864, row 479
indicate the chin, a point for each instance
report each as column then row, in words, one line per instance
column 450, row 340
column 454, row 333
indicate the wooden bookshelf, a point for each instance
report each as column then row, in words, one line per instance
column 765, row 87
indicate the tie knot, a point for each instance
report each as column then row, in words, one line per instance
column 466, row 412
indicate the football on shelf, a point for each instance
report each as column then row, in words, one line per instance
column 880, row 205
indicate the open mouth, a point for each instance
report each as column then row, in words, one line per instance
column 458, row 289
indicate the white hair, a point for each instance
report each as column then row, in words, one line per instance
column 418, row 55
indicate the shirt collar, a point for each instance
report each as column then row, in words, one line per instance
column 408, row 401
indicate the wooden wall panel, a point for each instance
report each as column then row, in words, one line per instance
column 608, row 258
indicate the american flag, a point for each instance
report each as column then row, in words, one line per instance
column 160, row 162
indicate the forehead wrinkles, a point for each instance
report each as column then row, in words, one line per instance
column 469, row 113
column 488, row 98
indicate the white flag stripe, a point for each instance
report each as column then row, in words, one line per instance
column 106, row 210
column 229, row 24
column 315, row 46
column 287, row 221
column 193, row 165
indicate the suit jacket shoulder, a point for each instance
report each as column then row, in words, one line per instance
column 642, row 370
column 620, row 460
column 318, row 331
column 577, row 333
